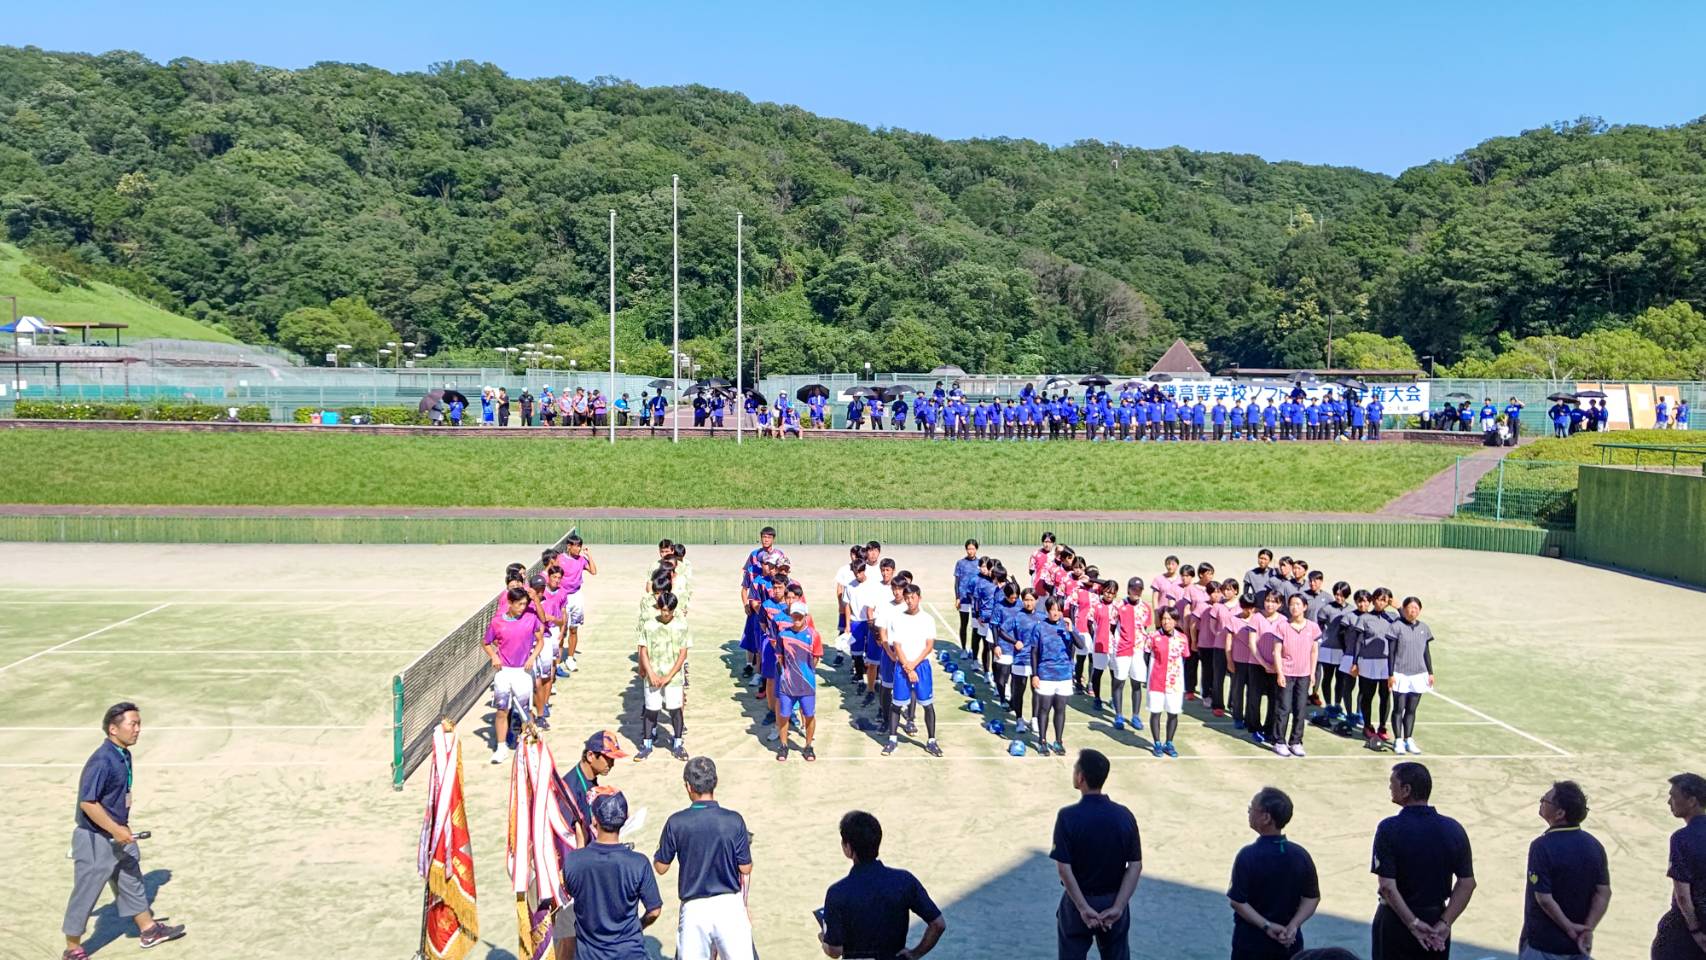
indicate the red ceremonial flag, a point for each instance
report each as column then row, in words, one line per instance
column 451, row 924
column 539, row 833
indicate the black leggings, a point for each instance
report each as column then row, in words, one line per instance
column 1003, row 673
column 1258, row 686
column 965, row 618
column 1155, row 728
column 1328, row 669
column 1365, row 701
column 1056, row 703
column 1016, row 694
column 1240, row 676
column 1404, row 715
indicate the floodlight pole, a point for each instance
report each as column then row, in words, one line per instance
column 740, row 411
column 610, row 401
column 675, row 307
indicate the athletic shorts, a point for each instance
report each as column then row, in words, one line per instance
column 545, row 665
column 1083, row 645
column 749, row 634
column 513, row 686
column 714, row 926
column 923, row 688
column 965, row 607
column 1374, row 669
column 767, row 661
column 885, row 665
column 563, row 923
column 1054, row 688
column 1169, row 701
column 785, row 706
column 985, row 629
column 1005, row 658
column 1098, row 660
column 574, row 610
column 1411, row 683
column 1346, row 661
column 1021, row 668
column 665, row 697
column 863, row 644
column 1126, row 668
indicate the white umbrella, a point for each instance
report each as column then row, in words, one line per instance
column 31, row 325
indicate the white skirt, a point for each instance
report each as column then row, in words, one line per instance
column 1411, row 683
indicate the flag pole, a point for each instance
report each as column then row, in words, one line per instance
column 610, row 401
column 675, row 307
column 740, row 408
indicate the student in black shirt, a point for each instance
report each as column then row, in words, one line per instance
column 1426, row 872
column 609, row 884
column 866, row 913
column 1682, row 930
column 1099, row 856
column 1569, row 884
column 1274, row 888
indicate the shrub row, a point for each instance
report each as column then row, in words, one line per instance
column 174, row 412
column 383, row 416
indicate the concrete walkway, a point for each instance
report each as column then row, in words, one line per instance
column 1445, row 491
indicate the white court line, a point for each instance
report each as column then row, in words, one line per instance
column 1143, row 757
column 1560, row 751
column 250, row 653
column 340, row 604
column 92, row 633
column 155, row 728
column 220, row 764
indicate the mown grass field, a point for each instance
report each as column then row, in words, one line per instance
column 96, row 302
column 270, row 469
column 1539, row 480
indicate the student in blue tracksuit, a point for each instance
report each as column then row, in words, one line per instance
column 1217, row 416
column 1052, row 642
column 1284, row 410
column 1000, row 638
column 1576, row 418
column 1170, row 418
column 1199, row 420
column 1513, row 419
column 1375, row 411
column 986, row 597
column 1235, row 417
column 1270, row 419
column 965, row 573
column 1357, row 420
column 1296, row 416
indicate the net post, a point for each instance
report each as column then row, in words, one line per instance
column 397, row 774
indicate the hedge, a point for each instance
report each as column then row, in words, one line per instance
column 382, row 416
column 175, row 412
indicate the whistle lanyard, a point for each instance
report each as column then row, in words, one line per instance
column 129, row 773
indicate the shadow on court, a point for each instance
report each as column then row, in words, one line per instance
column 109, row 926
column 1013, row 914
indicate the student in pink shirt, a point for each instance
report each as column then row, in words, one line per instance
column 1196, row 603
column 1242, row 632
column 1295, row 655
column 1211, row 646
column 1166, row 588
column 1132, row 618
column 1041, row 560
column 576, row 564
column 1261, row 688
column 1085, row 593
column 1167, row 648
column 552, row 596
column 1101, row 634
column 513, row 640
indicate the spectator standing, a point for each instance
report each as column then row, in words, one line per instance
column 503, row 406
column 715, row 851
column 866, row 913
column 610, row 884
column 1426, row 872
column 1275, row 889
column 103, row 849
column 1569, row 884
column 1682, row 930
column 526, row 407
column 1099, row 856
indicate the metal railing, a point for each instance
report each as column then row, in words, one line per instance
column 1629, row 454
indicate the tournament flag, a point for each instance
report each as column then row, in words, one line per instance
column 539, row 834
column 450, row 924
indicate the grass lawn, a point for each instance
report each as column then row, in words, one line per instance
column 121, row 467
column 1580, row 448
column 96, row 302
column 1540, row 479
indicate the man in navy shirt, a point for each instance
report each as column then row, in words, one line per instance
column 866, row 913
column 1099, row 856
column 1513, row 419
column 1274, row 888
column 1682, row 930
column 715, row 850
column 1426, row 872
column 1569, row 884
column 609, row 884
column 103, row 850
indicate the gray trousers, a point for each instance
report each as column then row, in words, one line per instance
column 100, row 862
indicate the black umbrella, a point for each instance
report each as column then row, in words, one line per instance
column 1094, row 380
column 862, row 392
column 893, row 390
column 1056, row 383
column 811, row 390
column 455, row 396
column 1590, row 395
column 1460, row 395
column 1564, row 397
column 704, row 390
column 1160, row 378
column 432, row 399
column 660, row 384
column 713, row 382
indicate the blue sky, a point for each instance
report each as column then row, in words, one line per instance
column 1357, row 84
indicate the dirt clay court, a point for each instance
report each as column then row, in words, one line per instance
column 263, row 675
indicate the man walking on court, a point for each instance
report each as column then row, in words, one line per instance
column 1099, row 856
column 715, row 851
column 103, row 849
column 1426, row 872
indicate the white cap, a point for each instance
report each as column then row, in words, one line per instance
column 798, row 609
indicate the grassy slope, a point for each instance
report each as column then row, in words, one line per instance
column 320, row 469
column 1580, row 448
column 95, row 302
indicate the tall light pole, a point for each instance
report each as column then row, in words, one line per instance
column 610, row 401
column 675, row 306
column 740, row 411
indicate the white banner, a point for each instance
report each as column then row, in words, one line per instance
column 1399, row 399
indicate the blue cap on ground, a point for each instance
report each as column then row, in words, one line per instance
column 996, row 727
column 975, row 706
column 1016, row 748
column 959, row 676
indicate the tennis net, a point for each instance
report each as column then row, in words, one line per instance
column 445, row 681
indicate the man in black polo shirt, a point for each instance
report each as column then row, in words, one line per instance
column 1569, row 884
column 1099, row 857
column 609, row 884
column 1426, row 872
column 103, row 849
column 598, row 756
column 1682, row 930
column 1274, row 885
column 866, row 913
column 716, row 859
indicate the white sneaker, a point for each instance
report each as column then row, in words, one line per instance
column 774, row 735
column 500, row 754
column 571, row 664
column 1398, row 747
column 1411, row 743
column 754, row 680
column 1282, row 750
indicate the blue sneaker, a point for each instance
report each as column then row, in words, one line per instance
column 1258, row 739
column 1237, row 724
column 1057, row 748
column 1119, row 722
column 562, row 672
column 1158, row 750
column 769, row 717
column 1136, row 724
column 1167, row 748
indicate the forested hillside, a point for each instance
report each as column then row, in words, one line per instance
column 468, row 209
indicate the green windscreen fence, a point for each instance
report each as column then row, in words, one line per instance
column 1540, row 492
column 1646, row 521
column 444, row 682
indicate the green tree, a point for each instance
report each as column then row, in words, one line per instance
column 312, row 332
column 1371, row 351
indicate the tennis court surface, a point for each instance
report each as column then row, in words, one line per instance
column 263, row 673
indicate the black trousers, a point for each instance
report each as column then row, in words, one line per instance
column 1075, row 939
column 1258, row 695
column 1214, row 684
column 1392, row 940
column 1293, row 709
